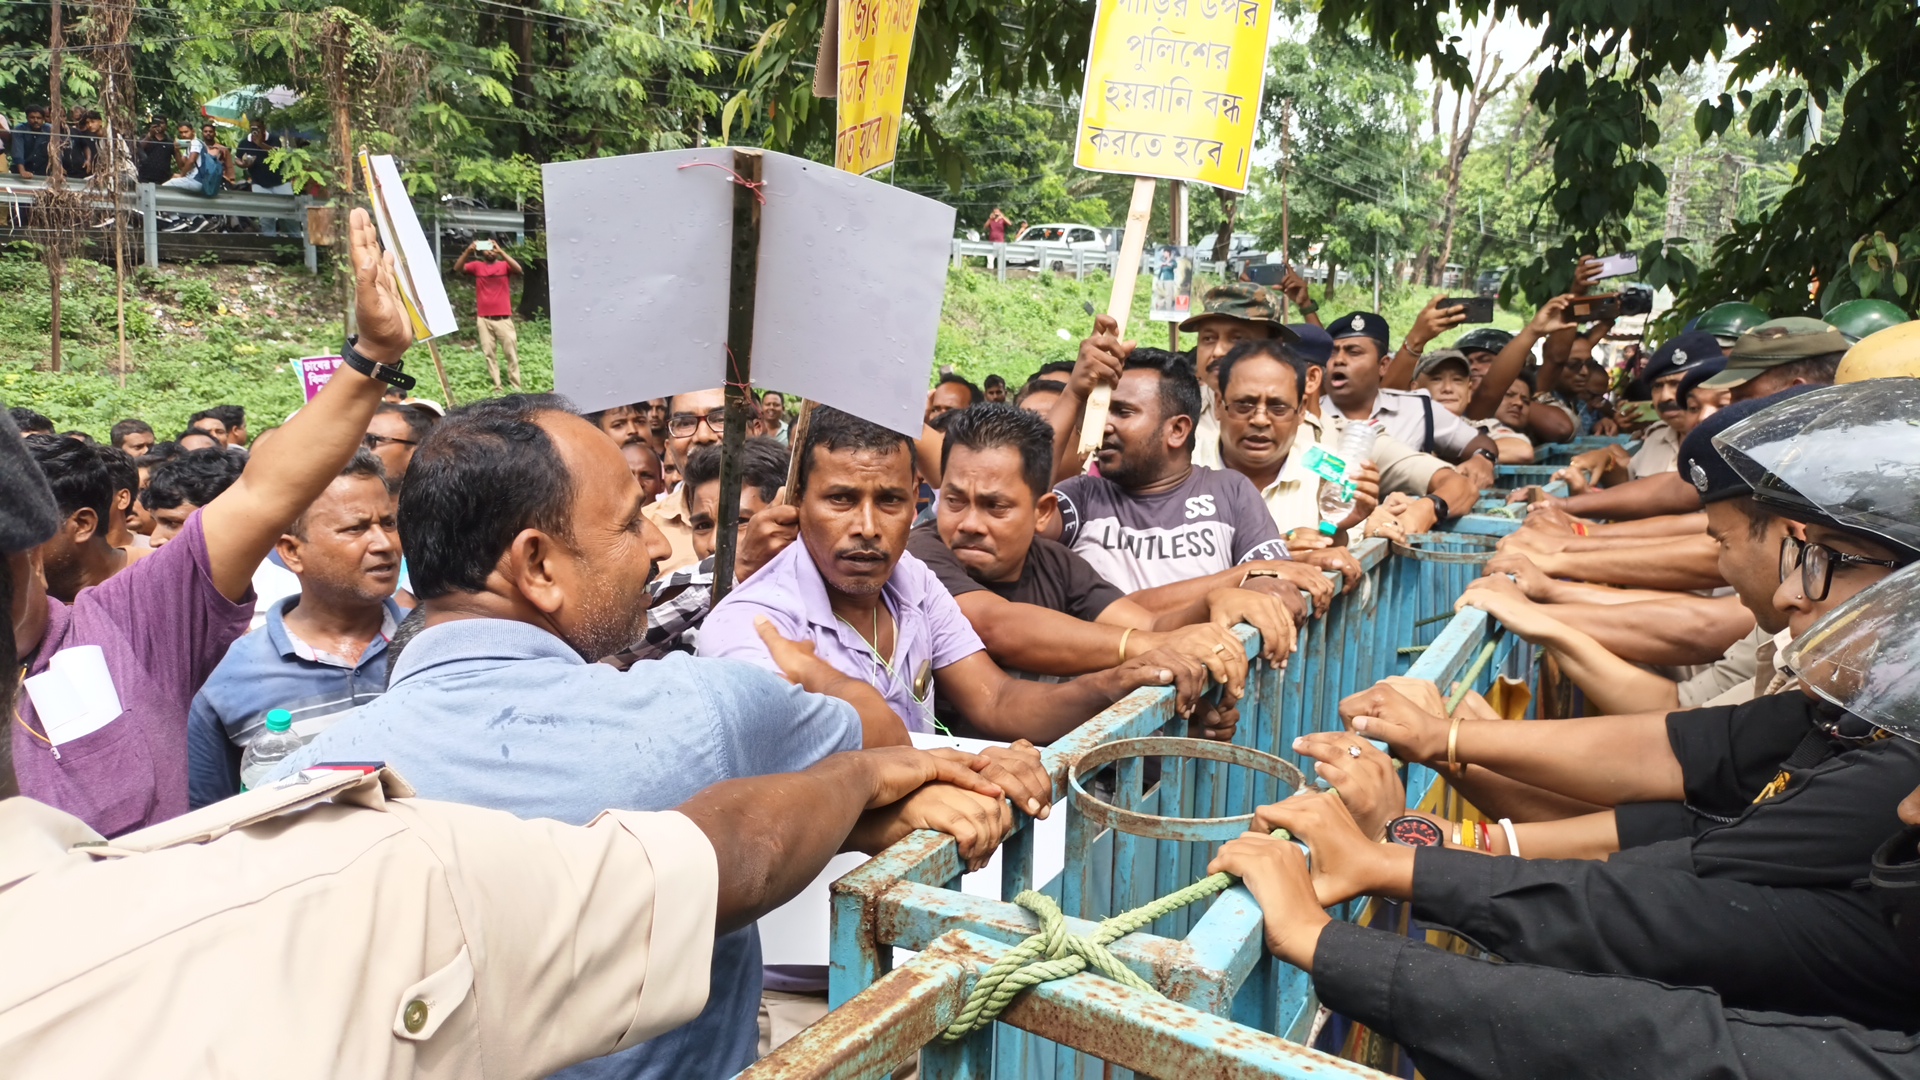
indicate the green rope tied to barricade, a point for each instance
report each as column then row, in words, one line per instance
column 1055, row 954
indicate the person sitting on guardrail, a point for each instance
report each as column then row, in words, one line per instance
column 1151, row 517
column 1037, row 606
column 1582, row 636
column 28, row 150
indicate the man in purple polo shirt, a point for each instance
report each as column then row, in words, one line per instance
column 107, row 743
column 876, row 613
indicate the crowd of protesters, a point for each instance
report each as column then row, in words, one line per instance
column 201, row 159
column 510, row 606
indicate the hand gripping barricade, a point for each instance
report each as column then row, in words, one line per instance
column 1163, row 972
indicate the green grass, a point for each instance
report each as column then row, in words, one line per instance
column 207, row 335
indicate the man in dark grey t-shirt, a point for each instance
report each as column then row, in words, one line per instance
column 1151, row 518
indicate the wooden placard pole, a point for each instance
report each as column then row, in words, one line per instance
column 796, row 444
column 1126, row 270
column 440, row 369
column 744, row 269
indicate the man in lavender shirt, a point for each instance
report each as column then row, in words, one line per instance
column 876, row 613
column 163, row 623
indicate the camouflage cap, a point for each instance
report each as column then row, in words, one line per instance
column 1777, row 342
column 1245, row 301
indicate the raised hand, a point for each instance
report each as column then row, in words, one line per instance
column 385, row 331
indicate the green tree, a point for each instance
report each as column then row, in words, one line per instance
column 1360, row 179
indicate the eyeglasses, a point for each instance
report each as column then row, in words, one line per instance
column 1816, row 563
column 682, row 425
column 1275, row 410
column 375, row 442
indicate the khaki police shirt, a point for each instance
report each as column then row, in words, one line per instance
column 328, row 926
column 1402, row 468
column 1659, row 453
column 672, row 516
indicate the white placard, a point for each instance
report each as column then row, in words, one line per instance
column 419, row 270
column 852, row 274
column 75, row 696
column 637, row 271
column 847, row 304
column 799, row 932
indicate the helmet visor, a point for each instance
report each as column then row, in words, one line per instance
column 1857, row 461
column 1864, row 656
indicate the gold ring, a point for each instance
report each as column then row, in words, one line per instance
column 1219, row 648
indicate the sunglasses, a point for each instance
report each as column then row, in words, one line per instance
column 682, row 425
column 375, row 442
column 1816, row 563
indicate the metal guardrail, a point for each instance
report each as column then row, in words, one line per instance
column 152, row 200
column 1229, row 1008
column 1047, row 258
column 1044, row 257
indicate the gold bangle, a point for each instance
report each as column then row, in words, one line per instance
column 1453, row 743
column 1123, row 643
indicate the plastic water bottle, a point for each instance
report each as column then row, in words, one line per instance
column 1356, row 449
column 268, row 749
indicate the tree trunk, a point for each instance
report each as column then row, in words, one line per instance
column 1223, row 240
column 1333, row 276
column 56, row 175
column 520, row 39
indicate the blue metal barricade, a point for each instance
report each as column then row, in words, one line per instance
column 1228, row 1007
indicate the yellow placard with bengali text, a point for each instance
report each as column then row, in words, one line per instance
column 876, row 40
column 1173, row 89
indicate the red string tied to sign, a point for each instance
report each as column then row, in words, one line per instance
column 755, row 186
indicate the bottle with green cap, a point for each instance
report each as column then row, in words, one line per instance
column 268, row 749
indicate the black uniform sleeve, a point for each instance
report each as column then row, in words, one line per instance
column 925, row 544
column 1468, row 1019
column 1820, row 831
column 1810, row 951
column 1729, row 753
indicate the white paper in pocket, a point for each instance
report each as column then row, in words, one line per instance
column 75, row 696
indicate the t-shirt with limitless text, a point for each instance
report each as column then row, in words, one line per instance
column 1053, row 577
column 1211, row 521
column 492, row 291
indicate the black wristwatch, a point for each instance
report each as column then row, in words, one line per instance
column 1492, row 458
column 1440, row 505
column 386, row 373
column 1412, row 831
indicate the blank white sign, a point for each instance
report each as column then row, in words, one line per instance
column 847, row 305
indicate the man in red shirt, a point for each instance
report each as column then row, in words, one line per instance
column 493, row 296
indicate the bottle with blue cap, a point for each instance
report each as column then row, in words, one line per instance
column 268, row 749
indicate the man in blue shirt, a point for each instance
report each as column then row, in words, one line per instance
column 323, row 650
column 524, row 534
